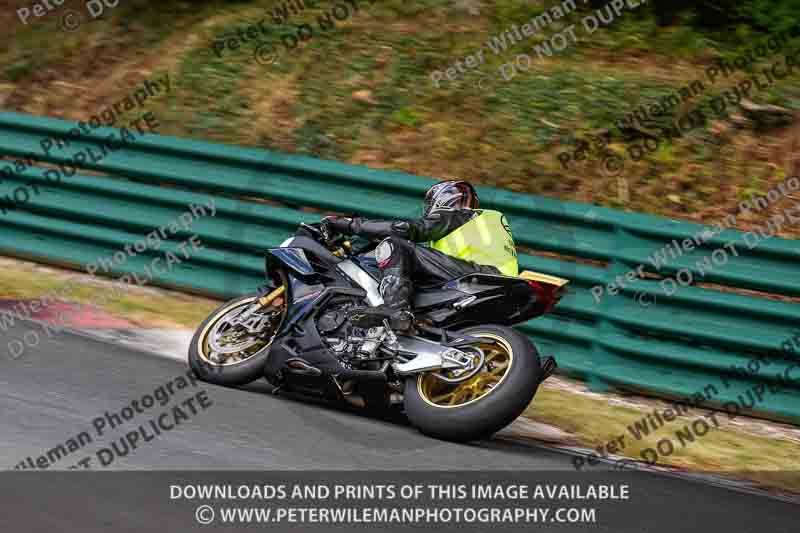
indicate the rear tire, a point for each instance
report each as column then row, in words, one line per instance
column 229, row 375
column 484, row 415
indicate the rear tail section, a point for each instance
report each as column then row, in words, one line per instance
column 549, row 289
column 489, row 299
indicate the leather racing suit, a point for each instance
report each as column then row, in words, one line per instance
column 403, row 261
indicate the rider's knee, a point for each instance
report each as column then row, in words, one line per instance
column 392, row 250
column 385, row 252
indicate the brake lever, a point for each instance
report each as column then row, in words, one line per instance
column 325, row 232
column 310, row 228
column 317, row 232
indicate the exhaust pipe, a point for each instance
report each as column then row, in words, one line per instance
column 356, row 400
column 299, row 366
column 548, row 366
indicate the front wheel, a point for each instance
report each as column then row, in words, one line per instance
column 486, row 402
column 232, row 345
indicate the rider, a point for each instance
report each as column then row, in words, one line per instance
column 453, row 238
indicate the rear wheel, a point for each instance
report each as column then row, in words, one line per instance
column 230, row 348
column 487, row 401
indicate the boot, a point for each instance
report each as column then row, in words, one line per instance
column 396, row 291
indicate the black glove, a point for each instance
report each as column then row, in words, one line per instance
column 341, row 225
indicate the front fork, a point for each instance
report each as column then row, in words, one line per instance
column 268, row 299
column 279, row 291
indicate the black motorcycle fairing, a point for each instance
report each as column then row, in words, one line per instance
column 304, row 275
column 300, row 337
column 478, row 299
column 301, row 299
column 499, row 299
column 427, row 299
column 303, row 256
column 310, row 245
column 301, row 357
column 294, row 259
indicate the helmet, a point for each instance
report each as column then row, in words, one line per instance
column 450, row 195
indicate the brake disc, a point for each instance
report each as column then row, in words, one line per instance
column 227, row 337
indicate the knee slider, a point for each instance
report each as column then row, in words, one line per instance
column 384, row 252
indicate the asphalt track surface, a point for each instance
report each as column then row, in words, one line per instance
column 53, row 392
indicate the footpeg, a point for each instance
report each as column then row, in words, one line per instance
column 298, row 366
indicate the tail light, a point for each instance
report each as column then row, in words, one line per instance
column 546, row 294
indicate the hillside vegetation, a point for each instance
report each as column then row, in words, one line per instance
column 360, row 90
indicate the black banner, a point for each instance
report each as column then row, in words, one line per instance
column 380, row 501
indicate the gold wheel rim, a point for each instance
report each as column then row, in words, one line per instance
column 203, row 344
column 496, row 366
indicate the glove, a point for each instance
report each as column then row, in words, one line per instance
column 340, row 225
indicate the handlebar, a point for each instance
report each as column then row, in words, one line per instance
column 320, row 232
column 316, row 231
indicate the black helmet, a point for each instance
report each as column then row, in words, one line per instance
column 450, row 195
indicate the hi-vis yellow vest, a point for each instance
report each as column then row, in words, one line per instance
column 486, row 240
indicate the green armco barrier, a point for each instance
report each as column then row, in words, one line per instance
column 675, row 345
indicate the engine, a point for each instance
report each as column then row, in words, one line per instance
column 353, row 346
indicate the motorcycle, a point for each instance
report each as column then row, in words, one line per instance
column 462, row 375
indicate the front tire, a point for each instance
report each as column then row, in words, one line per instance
column 485, row 403
column 245, row 367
